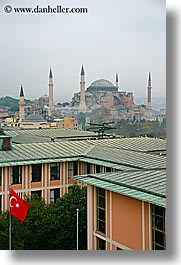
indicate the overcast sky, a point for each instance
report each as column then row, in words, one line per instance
column 123, row 36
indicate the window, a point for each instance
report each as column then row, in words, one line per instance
column 37, row 193
column 88, row 168
column 16, row 175
column 54, row 195
column 101, row 244
column 20, row 194
column 54, row 171
column 101, row 211
column 98, row 168
column 0, row 176
column 72, row 168
column 0, row 203
column 36, row 173
column 108, row 169
column 158, row 228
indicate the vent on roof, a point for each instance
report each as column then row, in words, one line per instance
column 5, row 142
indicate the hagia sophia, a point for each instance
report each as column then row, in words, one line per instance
column 102, row 92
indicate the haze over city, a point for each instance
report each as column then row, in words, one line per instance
column 122, row 36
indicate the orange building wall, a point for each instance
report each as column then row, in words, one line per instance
column 127, row 221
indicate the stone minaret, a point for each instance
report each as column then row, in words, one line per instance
column 82, row 106
column 50, row 93
column 117, row 84
column 21, row 105
column 149, row 92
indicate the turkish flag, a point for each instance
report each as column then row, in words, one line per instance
column 18, row 207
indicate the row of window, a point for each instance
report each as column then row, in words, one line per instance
column 158, row 222
column 36, row 173
column 54, row 195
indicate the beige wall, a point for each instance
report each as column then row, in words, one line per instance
column 127, row 222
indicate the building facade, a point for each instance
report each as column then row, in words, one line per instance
column 123, row 215
column 125, row 181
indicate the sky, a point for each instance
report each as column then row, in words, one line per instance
column 127, row 37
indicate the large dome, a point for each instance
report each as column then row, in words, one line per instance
column 102, row 82
column 102, row 85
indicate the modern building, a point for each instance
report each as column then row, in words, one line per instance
column 126, row 210
column 125, row 179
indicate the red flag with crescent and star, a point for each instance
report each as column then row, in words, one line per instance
column 18, row 207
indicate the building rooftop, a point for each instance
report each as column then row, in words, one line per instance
column 34, row 117
column 145, row 185
column 139, row 144
column 86, row 151
column 45, row 135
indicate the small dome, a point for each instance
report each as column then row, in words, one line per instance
column 45, row 96
column 34, row 117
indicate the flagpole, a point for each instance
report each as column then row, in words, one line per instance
column 9, row 223
column 77, row 229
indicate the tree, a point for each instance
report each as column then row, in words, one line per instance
column 2, row 132
column 48, row 227
column 4, row 231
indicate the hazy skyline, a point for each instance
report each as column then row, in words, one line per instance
column 127, row 37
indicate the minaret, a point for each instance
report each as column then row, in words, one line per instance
column 50, row 93
column 21, row 105
column 149, row 92
column 82, row 106
column 117, row 84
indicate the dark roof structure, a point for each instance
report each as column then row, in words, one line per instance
column 21, row 92
column 50, row 75
column 82, row 71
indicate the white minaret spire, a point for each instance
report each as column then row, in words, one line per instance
column 21, row 105
column 117, row 82
column 82, row 106
column 149, row 92
column 50, row 92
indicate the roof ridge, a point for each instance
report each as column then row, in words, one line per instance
column 90, row 148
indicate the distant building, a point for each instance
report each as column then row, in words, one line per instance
column 44, row 99
column 66, row 123
column 103, row 93
column 34, row 121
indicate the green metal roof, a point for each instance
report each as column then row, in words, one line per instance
column 85, row 151
column 142, row 144
column 133, row 159
column 50, row 133
column 146, row 185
